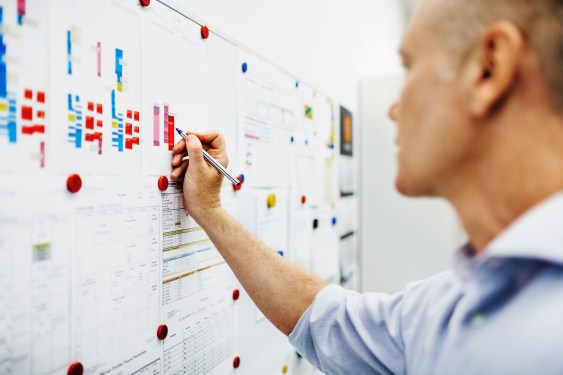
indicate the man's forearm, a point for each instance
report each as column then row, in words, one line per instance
column 281, row 289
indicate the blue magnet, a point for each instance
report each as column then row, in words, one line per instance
column 306, row 142
column 296, row 84
column 244, row 67
column 280, row 252
column 334, row 220
column 292, row 139
column 242, row 178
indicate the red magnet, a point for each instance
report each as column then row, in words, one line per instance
column 239, row 186
column 303, row 199
column 145, row 3
column 75, row 369
column 74, row 183
column 162, row 331
column 204, row 32
column 236, row 362
column 236, row 294
column 163, row 183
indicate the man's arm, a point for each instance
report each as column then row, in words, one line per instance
column 281, row 289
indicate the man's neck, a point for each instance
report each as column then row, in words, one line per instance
column 519, row 174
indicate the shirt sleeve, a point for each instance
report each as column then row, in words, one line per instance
column 345, row 332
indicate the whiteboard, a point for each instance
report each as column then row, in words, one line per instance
column 101, row 269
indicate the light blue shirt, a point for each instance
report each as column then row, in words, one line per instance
column 499, row 312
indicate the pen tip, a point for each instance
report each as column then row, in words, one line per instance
column 179, row 130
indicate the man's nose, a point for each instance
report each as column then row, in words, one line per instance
column 394, row 111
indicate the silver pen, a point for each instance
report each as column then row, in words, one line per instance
column 211, row 161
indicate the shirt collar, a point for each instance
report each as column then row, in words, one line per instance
column 537, row 234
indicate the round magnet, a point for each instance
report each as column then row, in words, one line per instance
column 239, row 186
column 163, row 183
column 74, row 183
column 303, row 199
column 162, row 331
column 75, row 369
column 204, row 32
column 271, row 200
column 244, row 67
column 236, row 294
column 145, row 3
column 236, row 362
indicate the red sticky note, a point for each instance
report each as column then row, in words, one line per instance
column 89, row 122
column 27, row 113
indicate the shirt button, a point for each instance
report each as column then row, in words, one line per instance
column 478, row 320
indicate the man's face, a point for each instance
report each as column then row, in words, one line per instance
column 434, row 129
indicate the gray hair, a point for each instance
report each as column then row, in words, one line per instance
column 541, row 22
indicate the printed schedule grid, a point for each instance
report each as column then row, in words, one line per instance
column 118, row 278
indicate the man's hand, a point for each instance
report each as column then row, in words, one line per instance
column 202, row 182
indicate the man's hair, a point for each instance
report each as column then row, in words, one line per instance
column 541, row 22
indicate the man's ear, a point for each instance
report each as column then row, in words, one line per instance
column 492, row 67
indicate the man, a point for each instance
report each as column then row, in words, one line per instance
column 480, row 123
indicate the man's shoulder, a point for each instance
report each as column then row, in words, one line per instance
column 438, row 284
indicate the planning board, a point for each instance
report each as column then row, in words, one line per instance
column 102, row 271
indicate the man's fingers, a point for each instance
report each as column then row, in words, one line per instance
column 214, row 138
column 179, row 147
column 179, row 172
column 177, row 159
column 195, row 150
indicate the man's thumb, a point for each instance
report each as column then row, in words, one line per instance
column 195, row 151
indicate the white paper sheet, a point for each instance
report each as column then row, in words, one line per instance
column 96, row 87
column 197, row 288
column 174, row 85
column 267, row 110
column 325, row 259
column 35, row 277
column 116, row 290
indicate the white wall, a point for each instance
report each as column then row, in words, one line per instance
column 329, row 44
